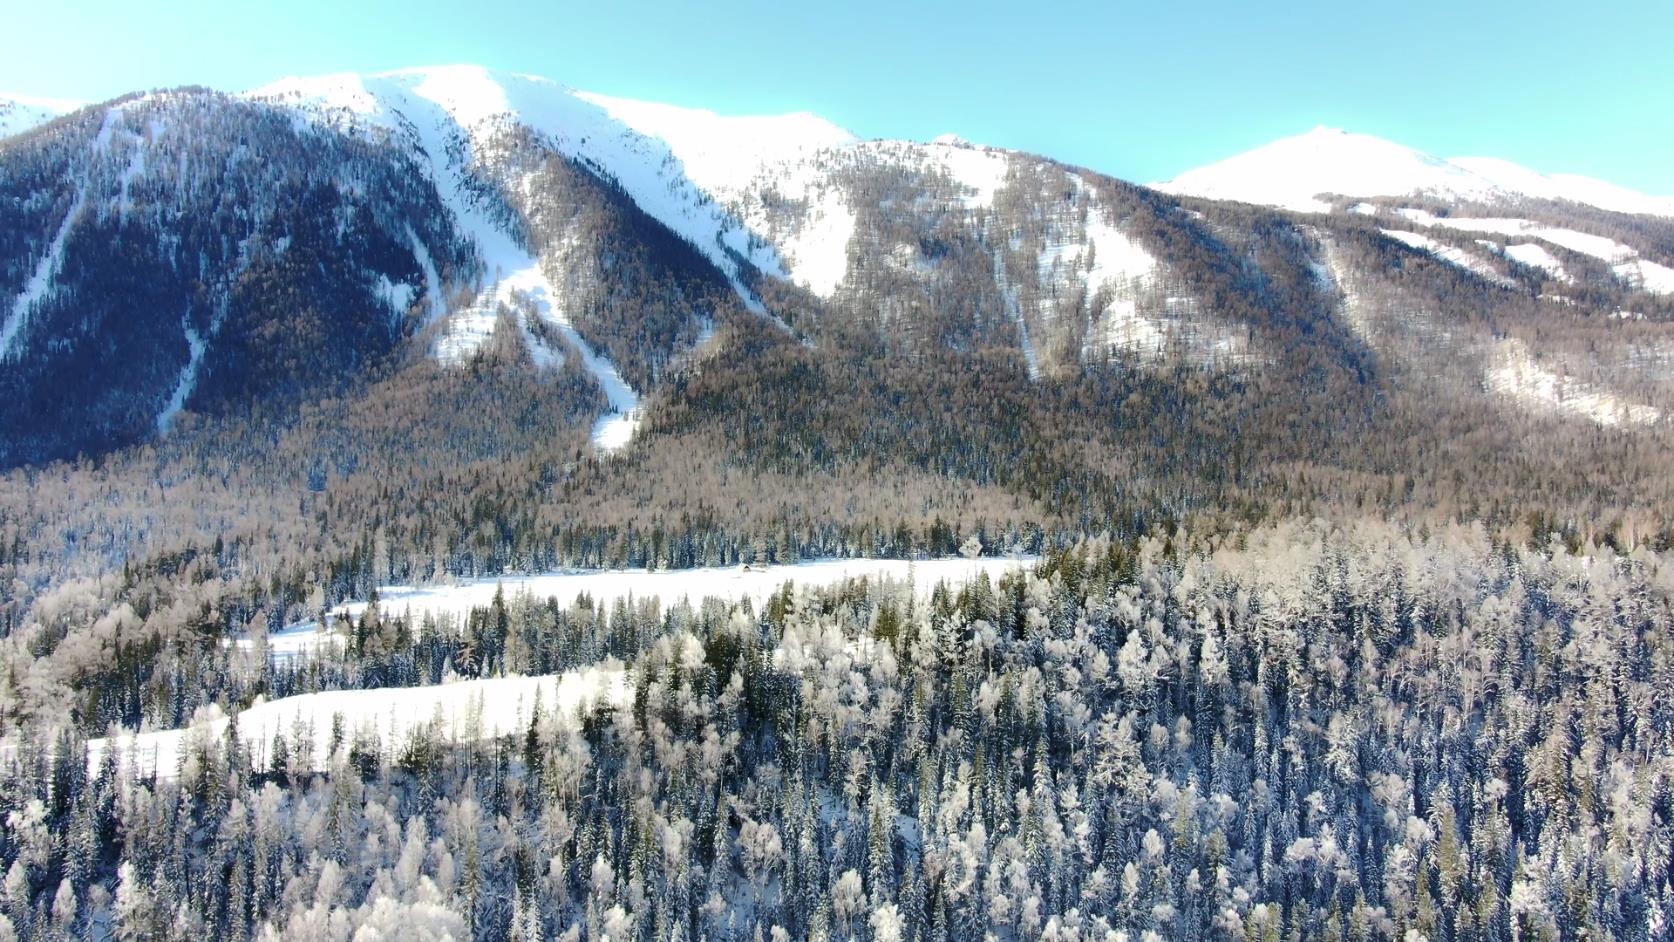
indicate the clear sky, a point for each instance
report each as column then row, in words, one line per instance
column 1138, row 91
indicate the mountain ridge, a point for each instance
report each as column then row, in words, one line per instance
column 628, row 237
column 1292, row 172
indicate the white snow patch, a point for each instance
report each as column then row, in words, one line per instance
column 1647, row 276
column 1293, row 172
column 397, row 294
column 1514, row 178
column 465, row 711
column 434, row 300
column 722, row 154
column 981, row 171
column 1515, row 373
column 19, row 113
column 1536, row 256
column 1117, row 260
column 1624, row 260
column 1115, row 263
column 816, row 256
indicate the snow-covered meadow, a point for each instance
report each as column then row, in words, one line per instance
column 478, row 709
column 669, row 585
column 457, row 712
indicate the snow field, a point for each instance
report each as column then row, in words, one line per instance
column 1292, row 172
column 459, row 712
column 669, row 585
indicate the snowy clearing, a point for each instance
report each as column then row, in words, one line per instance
column 669, row 585
column 980, row 170
column 1536, row 256
column 817, row 255
column 464, row 711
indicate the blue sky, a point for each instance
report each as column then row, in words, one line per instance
column 1138, row 91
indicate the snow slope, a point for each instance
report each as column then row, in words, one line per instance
column 447, row 114
column 1453, row 255
column 1293, row 172
column 723, row 154
column 1514, row 178
column 670, row 161
column 462, row 711
column 19, row 113
column 40, row 281
column 1624, row 260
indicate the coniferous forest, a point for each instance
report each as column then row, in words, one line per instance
column 1307, row 732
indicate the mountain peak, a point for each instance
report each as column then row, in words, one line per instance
column 19, row 113
column 1294, row 172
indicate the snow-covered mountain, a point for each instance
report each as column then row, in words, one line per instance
column 672, row 161
column 171, row 241
column 19, row 113
column 788, row 198
column 1298, row 172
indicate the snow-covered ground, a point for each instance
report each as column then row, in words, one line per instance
column 19, row 113
column 816, row 256
column 1292, row 173
column 980, row 170
column 1451, row 254
column 669, row 585
column 1624, row 260
column 1536, row 255
column 461, row 711
column 1516, row 373
column 40, row 281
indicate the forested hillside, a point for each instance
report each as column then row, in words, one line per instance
column 1301, row 733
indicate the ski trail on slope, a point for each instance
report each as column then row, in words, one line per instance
column 41, row 279
column 188, row 376
column 515, row 274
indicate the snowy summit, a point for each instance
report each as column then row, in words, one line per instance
column 1295, row 172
